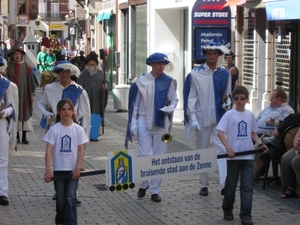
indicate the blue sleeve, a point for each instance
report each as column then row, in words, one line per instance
column 186, row 92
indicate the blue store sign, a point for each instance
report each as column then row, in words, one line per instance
column 210, row 23
column 283, row 10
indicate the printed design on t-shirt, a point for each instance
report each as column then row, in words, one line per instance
column 242, row 129
column 65, row 144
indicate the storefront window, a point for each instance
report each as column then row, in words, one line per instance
column 249, row 50
column 282, row 51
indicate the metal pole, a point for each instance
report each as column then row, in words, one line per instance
column 2, row 27
column 111, row 59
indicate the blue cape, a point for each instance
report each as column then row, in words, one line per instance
column 162, row 85
column 220, row 80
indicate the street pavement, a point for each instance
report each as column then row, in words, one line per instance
column 30, row 198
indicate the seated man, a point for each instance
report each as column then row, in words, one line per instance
column 277, row 110
column 290, row 166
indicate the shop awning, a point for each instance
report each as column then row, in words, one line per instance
column 282, row 9
column 104, row 14
column 234, row 2
column 254, row 4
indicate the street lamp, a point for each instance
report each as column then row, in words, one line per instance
column 71, row 22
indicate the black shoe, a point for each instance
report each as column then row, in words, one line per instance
column 18, row 138
column 3, row 200
column 25, row 141
column 247, row 222
column 54, row 197
column 142, row 192
column 203, row 191
column 228, row 217
column 78, row 203
column 94, row 140
column 155, row 198
column 222, row 192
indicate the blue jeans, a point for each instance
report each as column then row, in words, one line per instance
column 244, row 169
column 66, row 210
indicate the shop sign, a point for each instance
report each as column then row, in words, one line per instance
column 282, row 10
column 56, row 26
column 210, row 23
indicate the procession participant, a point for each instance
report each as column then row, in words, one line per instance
column 45, row 41
column 237, row 131
column 92, row 79
column 49, row 60
column 206, row 98
column 41, row 58
column 19, row 72
column 151, row 97
column 8, row 127
column 65, row 149
column 64, row 87
column 79, row 61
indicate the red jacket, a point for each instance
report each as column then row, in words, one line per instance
column 45, row 42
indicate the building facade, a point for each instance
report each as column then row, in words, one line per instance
column 264, row 34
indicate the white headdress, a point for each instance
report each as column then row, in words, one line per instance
column 222, row 49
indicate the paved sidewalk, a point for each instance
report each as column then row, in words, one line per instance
column 31, row 198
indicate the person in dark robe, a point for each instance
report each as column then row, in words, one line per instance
column 79, row 61
column 19, row 72
column 45, row 40
column 92, row 79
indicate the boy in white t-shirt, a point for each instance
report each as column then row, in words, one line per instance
column 65, row 148
column 236, row 130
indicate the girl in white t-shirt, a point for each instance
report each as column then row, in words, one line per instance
column 65, row 149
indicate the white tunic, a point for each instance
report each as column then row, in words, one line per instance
column 53, row 94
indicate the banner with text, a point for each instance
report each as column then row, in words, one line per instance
column 175, row 164
column 124, row 169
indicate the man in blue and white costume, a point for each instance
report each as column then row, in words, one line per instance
column 66, row 88
column 9, row 103
column 151, row 97
column 204, row 90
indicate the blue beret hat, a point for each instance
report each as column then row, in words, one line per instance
column 157, row 57
column 3, row 64
column 1, row 61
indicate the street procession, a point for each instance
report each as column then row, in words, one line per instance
column 111, row 115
